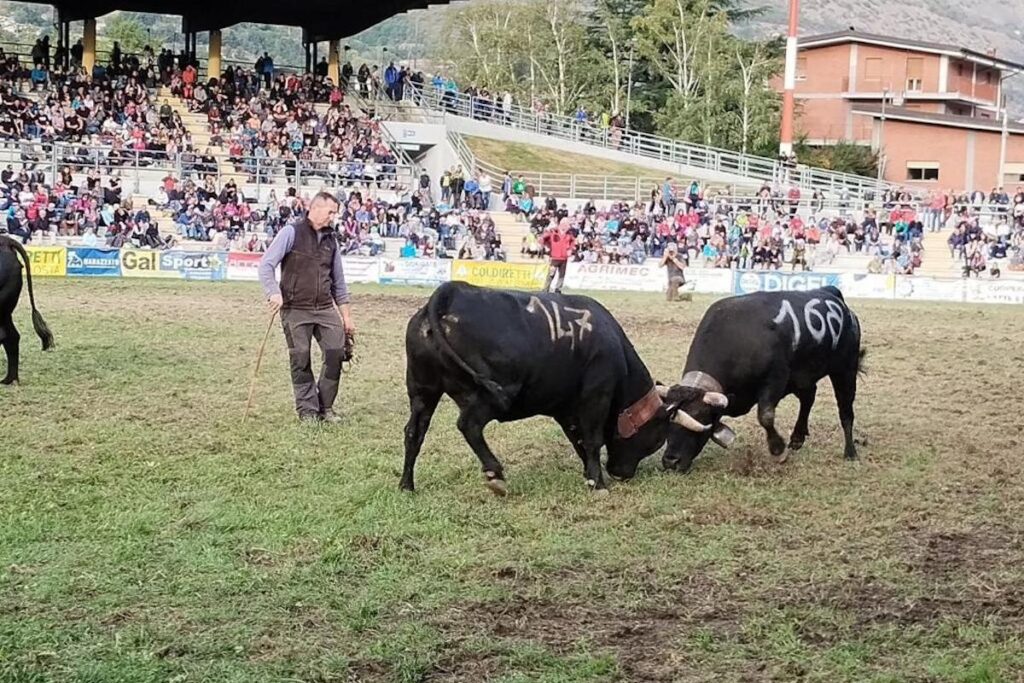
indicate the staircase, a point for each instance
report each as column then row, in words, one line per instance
column 512, row 232
column 198, row 128
column 936, row 260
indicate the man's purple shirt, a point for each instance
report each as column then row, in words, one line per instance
column 280, row 247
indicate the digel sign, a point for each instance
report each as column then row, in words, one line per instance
column 764, row 281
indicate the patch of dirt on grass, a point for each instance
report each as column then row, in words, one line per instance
column 643, row 641
column 958, row 554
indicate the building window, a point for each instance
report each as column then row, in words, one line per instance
column 922, row 170
column 915, row 74
column 873, row 69
column 801, row 68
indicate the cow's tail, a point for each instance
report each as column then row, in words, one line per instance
column 40, row 326
column 861, row 369
column 438, row 303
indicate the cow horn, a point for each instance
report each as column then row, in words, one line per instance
column 661, row 389
column 713, row 398
column 684, row 419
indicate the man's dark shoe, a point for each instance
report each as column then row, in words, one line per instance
column 330, row 417
column 309, row 418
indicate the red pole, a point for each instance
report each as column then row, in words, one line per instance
column 789, row 84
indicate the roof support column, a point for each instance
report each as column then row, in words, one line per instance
column 333, row 62
column 213, row 68
column 89, row 46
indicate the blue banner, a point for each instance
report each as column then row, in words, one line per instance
column 91, row 262
column 748, row 281
column 195, row 265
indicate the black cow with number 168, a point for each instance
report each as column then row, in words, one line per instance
column 755, row 350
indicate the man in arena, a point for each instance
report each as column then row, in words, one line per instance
column 559, row 242
column 314, row 303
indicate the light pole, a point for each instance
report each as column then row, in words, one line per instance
column 881, row 138
column 789, row 82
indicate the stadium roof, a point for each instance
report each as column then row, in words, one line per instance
column 839, row 37
column 323, row 19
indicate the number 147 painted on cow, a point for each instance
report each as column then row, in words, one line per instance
column 554, row 317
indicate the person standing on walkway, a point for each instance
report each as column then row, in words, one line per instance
column 314, row 303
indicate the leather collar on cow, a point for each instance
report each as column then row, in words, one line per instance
column 633, row 418
column 700, row 380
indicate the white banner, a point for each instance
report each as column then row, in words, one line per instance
column 409, row 271
column 361, row 269
column 929, row 289
column 867, row 285
column 709, row 280
column 609, row 277
column 994, row 291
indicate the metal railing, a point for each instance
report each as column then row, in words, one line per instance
column 135, row 166
column 759, row 169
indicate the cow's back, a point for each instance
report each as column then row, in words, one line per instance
column 741, row 340
column 535, row 346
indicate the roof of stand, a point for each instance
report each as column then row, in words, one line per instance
column 327, row 19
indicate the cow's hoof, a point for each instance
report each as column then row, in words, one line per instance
column 496, row 484
column 408, row 488
column 601, row 493
column 796, row 444
column 9, row 382
column 781, row 458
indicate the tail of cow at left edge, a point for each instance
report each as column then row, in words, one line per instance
column 40, row 326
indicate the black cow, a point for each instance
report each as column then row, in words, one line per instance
column 755, row 350
column 10, row 291
column 506, row 356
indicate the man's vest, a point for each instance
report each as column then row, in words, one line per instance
column 306, row 281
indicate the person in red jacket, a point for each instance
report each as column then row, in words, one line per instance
column 559, row 242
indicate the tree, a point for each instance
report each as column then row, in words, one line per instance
column 128, row 32
column 758, row 103
column 532, row 49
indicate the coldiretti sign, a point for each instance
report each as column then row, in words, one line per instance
column 501, row 275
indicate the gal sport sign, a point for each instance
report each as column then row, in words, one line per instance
column 182, row 265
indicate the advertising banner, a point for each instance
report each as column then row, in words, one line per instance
column 609, row 277
column 243, row 266
column 501, row 275
column 195, row 265
column 361, row 269
column 929, row 289
column 746, row 282
column 867, row 285
column 91, row 262
column 417, row 272
column 142, row 263
column 708, row 280
column 48, row 261
column 994, row 291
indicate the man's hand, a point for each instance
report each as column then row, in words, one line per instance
column 345, row 311
column 275, row 302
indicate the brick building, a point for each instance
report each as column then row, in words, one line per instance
column 933, row 111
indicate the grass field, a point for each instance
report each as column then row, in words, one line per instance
column 147, row 534
column 514, row 156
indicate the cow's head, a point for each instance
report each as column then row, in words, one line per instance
column 658, row 421
column 696, row 418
